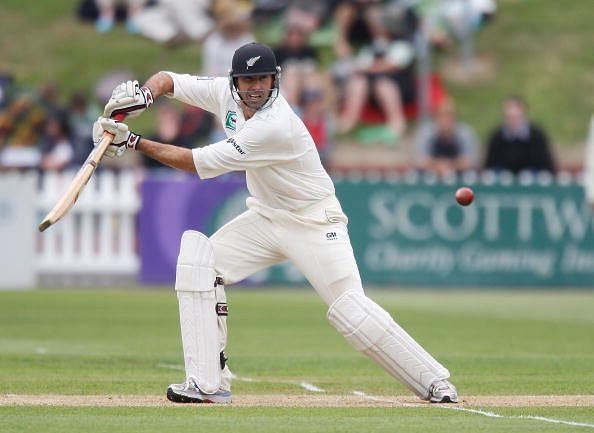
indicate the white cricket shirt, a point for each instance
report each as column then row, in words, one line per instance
column 274, row 148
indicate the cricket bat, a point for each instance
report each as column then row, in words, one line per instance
column 77, row 184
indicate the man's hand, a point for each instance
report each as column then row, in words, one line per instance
column 123, row 138
column 130, row 99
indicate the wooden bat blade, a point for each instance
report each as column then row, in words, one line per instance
column 77, row 184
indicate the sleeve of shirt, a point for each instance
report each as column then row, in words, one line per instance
column 203, row 92
column 256, row 145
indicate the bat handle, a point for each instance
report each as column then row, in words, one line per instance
column 118, row 117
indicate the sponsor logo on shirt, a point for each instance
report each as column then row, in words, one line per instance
column 331, row 236
column 231, row 120
column 236, row 146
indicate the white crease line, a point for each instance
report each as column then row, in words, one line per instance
column 365, row 396
column 242, row 379
column 310, row 387
column 313, row 388
column 480, row 412
column 557, row 421
column 306, row 385
column 382, row 400
column 535, row 418
column 171, row 367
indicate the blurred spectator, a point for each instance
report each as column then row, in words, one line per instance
column 357, row 24
column 445, row 145
column 268, row 8
column 47, row 98
column 384, row 72
column 311, row 13
column 297, row 58
column 399, row 21
column 197, row 126
column 5, row 128
column 106, row 83
column 313, row 107
column 176, row 21
column 221, row 8
column 107, row 14
column 307, row 13
column 518, row 144
column 56, row 148
column 22, row 125
column 82, row 115
column 169, row 130
column 450, row 21
column 233, row 30
column 5, row 89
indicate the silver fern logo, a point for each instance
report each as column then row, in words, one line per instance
column 252, row 61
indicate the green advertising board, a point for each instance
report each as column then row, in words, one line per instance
column 409, row 231
column 518, row 232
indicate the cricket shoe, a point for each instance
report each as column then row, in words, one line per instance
column 443, row 391
column 188, row 392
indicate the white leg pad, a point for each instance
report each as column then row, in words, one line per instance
column 222, row 312
column 195, row 287
column 371, row 330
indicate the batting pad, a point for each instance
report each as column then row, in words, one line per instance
column 222, row 312
column 371, row 330
column 195, row 287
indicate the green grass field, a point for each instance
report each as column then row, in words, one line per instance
column 113, row 342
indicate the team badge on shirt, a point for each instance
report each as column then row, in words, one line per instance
column 231, row 120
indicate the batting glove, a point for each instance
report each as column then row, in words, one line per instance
column 123, row 137
column 130, row 99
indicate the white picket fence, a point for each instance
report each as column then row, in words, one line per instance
column 98, row 235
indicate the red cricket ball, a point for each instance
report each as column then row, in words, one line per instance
column 464, row 196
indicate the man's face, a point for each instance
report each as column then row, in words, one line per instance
column 296, row 37
column 445, row 120
column 514, row 114
column 255, row 90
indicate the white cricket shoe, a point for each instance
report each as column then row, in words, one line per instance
column 188, row 392
column 443, row 391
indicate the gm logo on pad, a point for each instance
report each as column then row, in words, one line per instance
column 331, row 236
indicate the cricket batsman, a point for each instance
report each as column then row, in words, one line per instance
column 292, row 213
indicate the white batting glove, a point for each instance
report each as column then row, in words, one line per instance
column 130, row 99
column 123, row 137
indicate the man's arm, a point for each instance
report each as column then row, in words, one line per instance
column 160, row 84
column 172, row 156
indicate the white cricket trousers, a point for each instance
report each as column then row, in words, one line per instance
column 316, row 241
